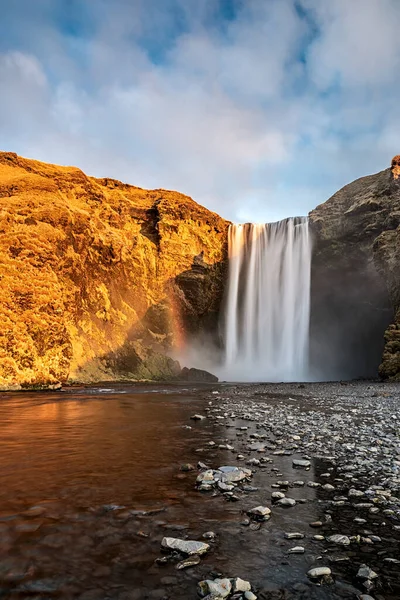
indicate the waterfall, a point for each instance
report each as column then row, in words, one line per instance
column 267, row 312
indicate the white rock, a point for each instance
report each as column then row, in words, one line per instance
column 341, row 540
column 296, row 550
column 185, row 546
column 250, row 596
column 240, row 585
column 206, row 476
column 260, row 512
column 319, row 572
column 301, row 464
column 220, row 588
column 286, row 502
column 364, row 572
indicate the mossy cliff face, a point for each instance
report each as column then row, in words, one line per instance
column 356, row 279
column 99, row 279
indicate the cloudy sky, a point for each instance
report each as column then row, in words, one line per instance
column 258, row 109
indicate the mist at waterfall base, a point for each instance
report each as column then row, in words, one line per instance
column 265, row 315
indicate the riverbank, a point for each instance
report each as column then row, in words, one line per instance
column 95, row 478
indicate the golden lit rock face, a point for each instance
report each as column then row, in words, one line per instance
column 98, row 278
column 395, row 168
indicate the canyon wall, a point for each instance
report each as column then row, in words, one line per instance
column 99, row 280
column 356, row 279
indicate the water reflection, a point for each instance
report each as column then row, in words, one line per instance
column 74, row 466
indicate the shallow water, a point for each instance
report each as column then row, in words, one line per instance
column 101, row 467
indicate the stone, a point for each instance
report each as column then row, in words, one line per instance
column 301, row 464
column 240, row 585
column 217, row 588
column 198, row 417
column 341, row 540
column 319, row 572
column 187, row 467
column 277, row 495
column 364, row 572
column 185, row 546
column 294, row 536
column 286, row 502
column 262, row 513
column 191, row 561
column 249, row 596
column 296, row 550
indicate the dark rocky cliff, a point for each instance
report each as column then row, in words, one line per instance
column 99, row 279
column 356, row 279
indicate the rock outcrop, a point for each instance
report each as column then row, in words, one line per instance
column 99, row 280
column 356, row 279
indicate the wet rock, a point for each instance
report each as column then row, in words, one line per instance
column 328, row 487
column 294, row 536
column 260, row 513
column 286, row 502
column 301, row 464
column 187, row 467
column 217, row 588
column 191, row 561
column 340, row 540
column 209, row 535
column 240, row 585
column 277, row 496
column 316, row 524
column 249, row 596
column 296, row 550
column 185, row 546
column 364, row 572
column 319, row 572
column 198, row 417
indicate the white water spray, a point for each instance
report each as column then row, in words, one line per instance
column 266, row 325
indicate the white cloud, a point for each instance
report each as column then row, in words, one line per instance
column 259, row 121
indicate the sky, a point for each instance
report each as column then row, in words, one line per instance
column 257, row 109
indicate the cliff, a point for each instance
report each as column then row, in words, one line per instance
column 356, row 278
column 100, row 279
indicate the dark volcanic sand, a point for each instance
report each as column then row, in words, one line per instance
column 101, row 467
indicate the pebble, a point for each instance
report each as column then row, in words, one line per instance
column 364, row 572
column 294, row 536
column 198, row 417
column 277, row 495
column 341, row 540
column 318, row 572
column 217, row 588
column 301, row 464
column 286, row 502
column 296, row 550
column 240, row 585
column 262, row 513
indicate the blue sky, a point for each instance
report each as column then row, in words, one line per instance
column 258, row 109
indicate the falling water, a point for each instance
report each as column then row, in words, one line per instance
column 266, row 325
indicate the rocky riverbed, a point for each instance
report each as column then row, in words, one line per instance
column 283, row 491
